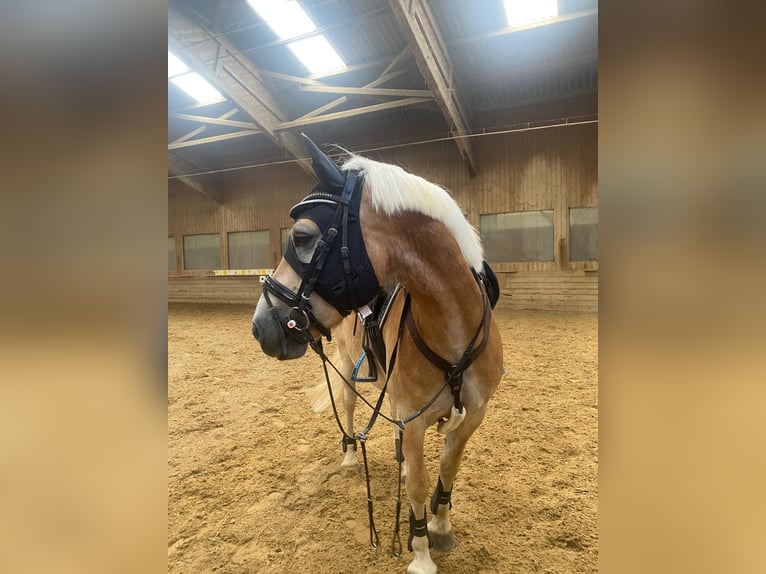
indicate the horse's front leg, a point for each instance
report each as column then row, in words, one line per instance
column 398, row 453
column 440, row 528
column 350, row 465
column 417, row 491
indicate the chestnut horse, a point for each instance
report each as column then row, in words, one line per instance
column 364, row 229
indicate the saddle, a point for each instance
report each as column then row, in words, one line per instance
column 372, row 341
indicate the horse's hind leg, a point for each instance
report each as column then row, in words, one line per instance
column 440, row 528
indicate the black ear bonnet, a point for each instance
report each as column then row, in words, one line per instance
column 344, row 277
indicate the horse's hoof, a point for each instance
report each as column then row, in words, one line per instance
column 349, row 470
column 442, row 542
column 421, row 568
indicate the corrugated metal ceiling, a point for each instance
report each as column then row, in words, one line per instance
column 497, row 73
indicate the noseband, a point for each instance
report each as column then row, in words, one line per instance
column 345, row 278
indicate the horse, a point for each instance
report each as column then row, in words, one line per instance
column 367, row 229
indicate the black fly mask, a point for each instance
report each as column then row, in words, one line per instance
column 339, row 271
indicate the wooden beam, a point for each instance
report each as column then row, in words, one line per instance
column 238, row 79
column 215, row 121
column 390, row 92
column 419, row 26
column 387, row 74
column 403, row 55
column 349, row 69
column 343, row 99
column 201, row 129
column 201, row 105
column 397, row 62
column 514, row 29
column 213, row 139
column 350, row 113
column 289, row 78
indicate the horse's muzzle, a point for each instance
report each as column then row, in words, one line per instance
column 270, row 333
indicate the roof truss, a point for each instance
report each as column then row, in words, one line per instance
column 425, row 40
column 221, row 63
column 396, row 98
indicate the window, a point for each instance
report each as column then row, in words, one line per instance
column 249, row 250
column 202, row 251
column 583, row 234
column 284, row 237
column 171, row 254
column 520, row 236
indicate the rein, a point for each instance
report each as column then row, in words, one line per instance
column 453, row 379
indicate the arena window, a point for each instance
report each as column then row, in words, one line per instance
column 171, row 254
column 249, row 250
column 518, row 236
column 583, row 234
column 202, row 251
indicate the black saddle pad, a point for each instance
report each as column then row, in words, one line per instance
column 490, row 281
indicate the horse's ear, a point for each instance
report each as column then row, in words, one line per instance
column 324, row 168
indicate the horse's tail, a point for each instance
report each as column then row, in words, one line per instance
column 318, row 395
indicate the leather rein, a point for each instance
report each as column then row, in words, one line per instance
column 453, row 374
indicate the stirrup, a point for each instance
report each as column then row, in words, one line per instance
column 372, row 374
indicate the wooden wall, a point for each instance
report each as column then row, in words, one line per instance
column 543, row 169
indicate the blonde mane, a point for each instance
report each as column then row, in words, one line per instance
column 394, row 190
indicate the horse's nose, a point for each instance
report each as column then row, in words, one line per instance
column 255, row 331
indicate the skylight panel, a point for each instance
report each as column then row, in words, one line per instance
column 191, row 82
column 521, row 12
column 289, row 20
column 197, row 87
column 317, row 54
column 175, row 66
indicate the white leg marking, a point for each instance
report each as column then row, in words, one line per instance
column 349, row 466
column 440, row 530
column 421, row 563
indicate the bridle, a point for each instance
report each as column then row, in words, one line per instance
column 301, row 317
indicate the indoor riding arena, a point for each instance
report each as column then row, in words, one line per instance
column 496, row 102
